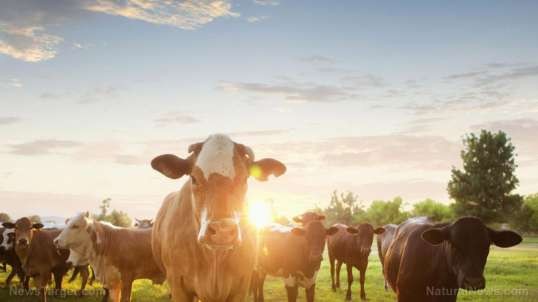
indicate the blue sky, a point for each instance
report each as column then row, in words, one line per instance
column 353, row 95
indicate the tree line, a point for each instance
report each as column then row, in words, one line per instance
column 483, row 187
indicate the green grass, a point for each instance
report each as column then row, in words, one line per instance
column 507, row 271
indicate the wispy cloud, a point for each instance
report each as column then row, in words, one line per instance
column 13, row 82
column 8, row 120
column 43, row 147
column 256, row 19
column 99, row 94
column 317, row 59
column 178, row 118
column 267, row 2
column 189, row 14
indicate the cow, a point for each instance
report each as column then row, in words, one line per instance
column 143, row 223
column 39, row 257
column 201, row 238
column 81, row 265
column 383, row 242
column 8, row 255
column 352, row 246
column 118, row 255
column 294, row 254
column 431, row 262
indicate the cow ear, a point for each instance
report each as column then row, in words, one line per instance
column 379, row 231
column 352, row 230
column 171, row 166
column 8, row 225
column 37, row 226
column 332, row 231
column 298, row 219
column 434, row 236
column 261, row 169
column 298, row 231
column 504, row 238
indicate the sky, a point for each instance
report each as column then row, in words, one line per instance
column 359, row 96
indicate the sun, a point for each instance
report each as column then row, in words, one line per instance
column 260, row 213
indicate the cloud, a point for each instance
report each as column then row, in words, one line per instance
column 190, row 14
column 316, row 59
column 256, row 19
column 298, row 92
column 13, row 82
column 267, row 2
column 177, row 118
column 98, row 94
column 43, row 147
column 25, row 26
column 8, row 120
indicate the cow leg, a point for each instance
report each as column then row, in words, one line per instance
column 362, row 279
column 126, row 288
column 338, row 267
column 349, row 281
column 310, row 292
column 92, row 278
column 84, row 273
column 115, row 293
column 42, row 282
column 106, row 296
column 291, row 288
column 10, row 277
column 76, row 271
column 258, row 283
column 331, row 263
column 58, row 277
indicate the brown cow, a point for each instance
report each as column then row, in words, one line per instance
column 430, row 262
column 38, row 255
column 294, row 254
column 118, row 255
column 352, row 246
column 383, row 242
column 8, row 255
column 200, row 237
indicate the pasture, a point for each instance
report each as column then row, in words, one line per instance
column 512, row 275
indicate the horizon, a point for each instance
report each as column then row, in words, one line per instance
column 367, row 98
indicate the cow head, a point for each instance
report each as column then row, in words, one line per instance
column 469, row 240
column 7, row 240
column 363, row 235
column 218, row 170
column 78, row 232
column 315, row 234
column 143, row 223
column 24, row 231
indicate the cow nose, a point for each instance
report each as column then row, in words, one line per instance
column 23, row 242
column 223, row 232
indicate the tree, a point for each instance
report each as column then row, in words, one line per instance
column 342, row 208
column 117, row 218
column 4, row 217
column 483, row 188
column 526, row 219
column 436, row 211
column 383, row 212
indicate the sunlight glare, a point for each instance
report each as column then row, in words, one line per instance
column 260, row 213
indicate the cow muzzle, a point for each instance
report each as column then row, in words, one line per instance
column 22, row 242
column 475, row 283
column 220, row 234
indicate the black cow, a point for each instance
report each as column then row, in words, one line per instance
column 383, row 242
column 9, row 257
column 352, row 246
column 431, row 262
column 294, row 254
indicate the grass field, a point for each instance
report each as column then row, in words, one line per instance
column 511, row 274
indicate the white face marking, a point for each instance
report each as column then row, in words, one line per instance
column 216, row 156
column 203, row 224
column 5, row 238
column 74, row 233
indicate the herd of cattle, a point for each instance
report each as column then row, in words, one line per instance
column 204, row 247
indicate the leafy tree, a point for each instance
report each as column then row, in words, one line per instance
column 117, row 218
column 342, row 208
column 384, row 212
column 4, row 217
column 526, row 219
column 483, row 188
column 432, row 209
